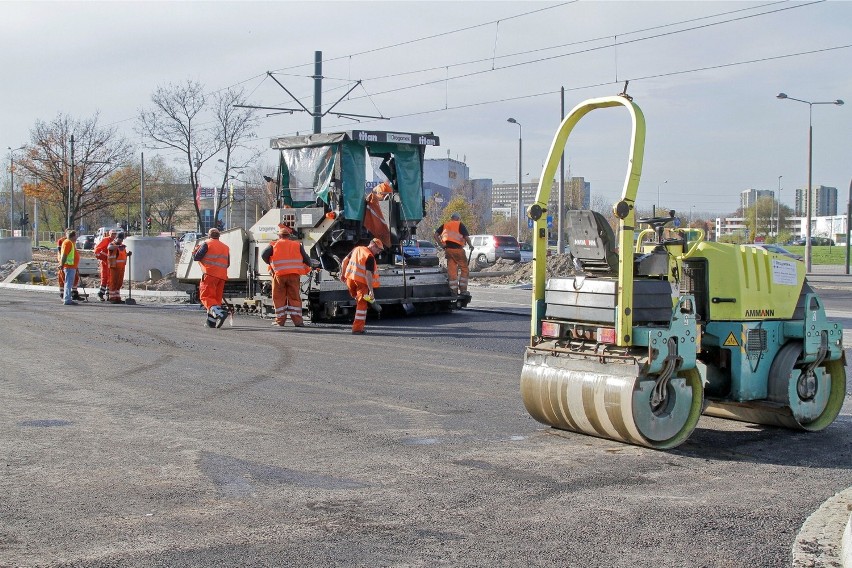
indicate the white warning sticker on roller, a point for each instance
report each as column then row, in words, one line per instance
column 784, row 272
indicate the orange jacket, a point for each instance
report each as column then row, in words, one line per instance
column 287, row 258
column 355, row 266
column 452, row 233
column 116, row 255
column 374, row 220
column 101, row 249
column 216, row 261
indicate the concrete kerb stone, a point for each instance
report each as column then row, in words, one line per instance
column 825, row 538
column 136, row 292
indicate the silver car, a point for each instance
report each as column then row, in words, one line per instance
column 487, row 249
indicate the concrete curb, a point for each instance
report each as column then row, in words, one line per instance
column 93, row 291
column 821, row 540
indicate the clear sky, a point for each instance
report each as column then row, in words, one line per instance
column 706, row 75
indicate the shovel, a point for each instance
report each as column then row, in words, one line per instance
column 129, row 301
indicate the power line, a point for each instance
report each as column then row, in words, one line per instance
column 587, row 50
column 434, row 36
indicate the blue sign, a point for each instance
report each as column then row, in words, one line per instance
column 529, row 223
column 550, row 221
column 676, row 222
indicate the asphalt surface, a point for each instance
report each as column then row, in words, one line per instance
column 135, row 436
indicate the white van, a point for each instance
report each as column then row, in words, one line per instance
column 104, row 231
column 189, row 239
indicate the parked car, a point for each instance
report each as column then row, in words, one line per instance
column 86, row 242
column 777, row 249
column 526, row 252
column 487, row 249
column 420, row 253
column 815, row 241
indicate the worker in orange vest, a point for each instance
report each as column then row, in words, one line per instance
column 214, row 257
column 360, row 274
column 103, row 259
column 288, row 260
column 69, row 259
column 452, row 236
column 116, row 260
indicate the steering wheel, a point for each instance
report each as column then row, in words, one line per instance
column 655, row 221
column 657, row 224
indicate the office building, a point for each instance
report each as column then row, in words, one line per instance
column 750, row 196
column 824, row 201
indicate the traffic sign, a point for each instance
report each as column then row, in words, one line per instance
column 550, row 221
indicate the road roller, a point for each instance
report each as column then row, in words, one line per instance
column 650, row 329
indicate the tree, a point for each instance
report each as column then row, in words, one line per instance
column 175, row 121
column 165, row 195
column 459, row 205
column 78, row 155
column 760, row 217
column 431, row 219
column 502, row 225
column 233, row 125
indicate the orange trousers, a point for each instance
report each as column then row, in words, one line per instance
column 104, row 274
column 358, row 290
column 457, row 261
column 116, row 279
column 210, row 291
column 287, row 298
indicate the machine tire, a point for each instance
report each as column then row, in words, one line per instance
column 481, row 261
column 812, row 413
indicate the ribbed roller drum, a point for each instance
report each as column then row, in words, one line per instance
column 610, row 400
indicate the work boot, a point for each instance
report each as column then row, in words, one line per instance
column 358, row 332
column 220, row 315
column 210, row 321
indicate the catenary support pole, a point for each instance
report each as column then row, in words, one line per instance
column 317, row 92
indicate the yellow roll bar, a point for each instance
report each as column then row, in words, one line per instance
column 624, row 210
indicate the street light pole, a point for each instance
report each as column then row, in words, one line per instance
column 778, row 219
column 12, row 188
column 70, row 184
column 848, row 215
column 520, row 175
column 245, row 205
column 658, row 195
column 809, row 198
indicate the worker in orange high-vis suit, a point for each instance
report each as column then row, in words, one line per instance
column 452, row 236
column 360, row 274
column 214, row 257
column 116, row 260
column 288, row 260
column 103, row 259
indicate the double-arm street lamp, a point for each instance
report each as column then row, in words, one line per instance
column 520, row 169
column 809, row 196
column 12, row 188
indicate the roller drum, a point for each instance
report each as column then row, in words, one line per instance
column 790, row 410
column 610, row 400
